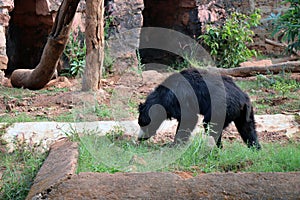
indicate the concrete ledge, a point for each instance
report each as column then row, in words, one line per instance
column 43, row 134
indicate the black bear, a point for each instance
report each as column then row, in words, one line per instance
column 191, row 92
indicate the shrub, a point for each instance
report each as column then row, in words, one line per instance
column 281, row 83
column 287, row 25
column 228, row 42
column 75, row 52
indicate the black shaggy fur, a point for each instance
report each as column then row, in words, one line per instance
column 186, row 94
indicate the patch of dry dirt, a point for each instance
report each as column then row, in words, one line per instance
column 264, row 137
column 50, row 105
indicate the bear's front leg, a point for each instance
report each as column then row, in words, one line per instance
column 248, row 132
column 185, row 128
column 216, row 135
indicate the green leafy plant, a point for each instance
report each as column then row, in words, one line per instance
column 287, row 24
column 75, row 51
column 284, row 86
column 281, row 83
column 179, row 65
column 103, row 111
column 108, row 62
column 140, row 66
column 228, row 42
column 108, row 26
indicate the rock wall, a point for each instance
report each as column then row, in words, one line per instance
column 27, row 33
column 262, row 32
column 177, row 15
column 123, row 38
column 6, row 6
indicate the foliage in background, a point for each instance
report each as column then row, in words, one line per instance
column 141, row 66
column 228, row 42
column 75, row 51
column 108, row 26
column 287, row 25
column 273, row 94
column 281, row 83
column 108, row 62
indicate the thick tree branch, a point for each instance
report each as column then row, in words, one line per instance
column 254, row 70
column 37, row 78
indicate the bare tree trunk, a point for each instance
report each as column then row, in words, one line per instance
column 252, row 71
column 94, row 44
column 37, row 78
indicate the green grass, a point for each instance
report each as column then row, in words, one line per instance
column 18, row 93
column 65, row 117
column 272, row 94
column 20, row 117
column 87, row 163
column 103, row 111
column 19, row 169
column 110, row 154
column 101, row 154
column 235, row 157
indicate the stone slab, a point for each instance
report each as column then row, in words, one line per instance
column 278, row 122
column 59, row 166
column 154, row 185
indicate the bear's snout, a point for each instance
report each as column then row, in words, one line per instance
column 140, row 139
column 143, row 136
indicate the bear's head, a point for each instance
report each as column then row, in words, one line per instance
column 150, row 118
